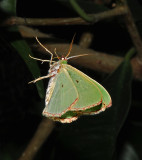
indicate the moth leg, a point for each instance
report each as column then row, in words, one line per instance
column 40, row 78
column 42, row 60
column 56, row 54
column 46, row 50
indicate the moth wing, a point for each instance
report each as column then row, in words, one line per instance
column 106, row 100
column 63, row 96
column 88, row 91
column 86, row 94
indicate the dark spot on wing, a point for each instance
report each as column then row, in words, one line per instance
column 62, row 86
column 77, row 81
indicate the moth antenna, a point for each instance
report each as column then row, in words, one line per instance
column 56, row 53
column 78, row 56
column 70, row 47
column 45, row 49
column 42, row 60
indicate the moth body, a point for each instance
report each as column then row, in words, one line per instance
column 70, row 92
column 54, row 69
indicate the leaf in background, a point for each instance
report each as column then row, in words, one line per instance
column 87, row 6
column 120, row 84
column 24, row 50
column 8, row 6
column 136, row 8
column 129, row 153
column 133, row 145
column 20, row 45
column 94, row 137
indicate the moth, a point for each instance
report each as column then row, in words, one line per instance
column 70, row 92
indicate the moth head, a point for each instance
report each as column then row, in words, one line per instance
column 64, row 60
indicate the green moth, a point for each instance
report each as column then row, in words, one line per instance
column 70, row 92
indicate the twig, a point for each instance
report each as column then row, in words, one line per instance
column 97, row 61
column 65, row 21
column 94, row 18
column 86, row 40
column 80, row 11
column 118, row 11
column 130, row 53
column 43, row 131
column 29, row 32
column 132, row 29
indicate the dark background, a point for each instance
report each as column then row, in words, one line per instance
column 90, row 137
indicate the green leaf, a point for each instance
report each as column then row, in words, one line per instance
column 80, row 11
column 20, row 45
column 8, row 6
column 24, row 50
column 129, row 153
column 120, row 84
column 87, row 6
column 94, row 137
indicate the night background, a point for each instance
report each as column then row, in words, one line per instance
column 111, row 31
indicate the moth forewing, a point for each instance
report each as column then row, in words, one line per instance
column 106, row 99
column 63, row 97
column 49, row 91
column 89, row 93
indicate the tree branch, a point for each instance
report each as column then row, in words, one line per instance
column 121, row 10
column 132, row 29
column 97, row 61
column 43, row 131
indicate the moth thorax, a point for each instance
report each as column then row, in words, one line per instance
column 64, row 61
column 54, row 68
